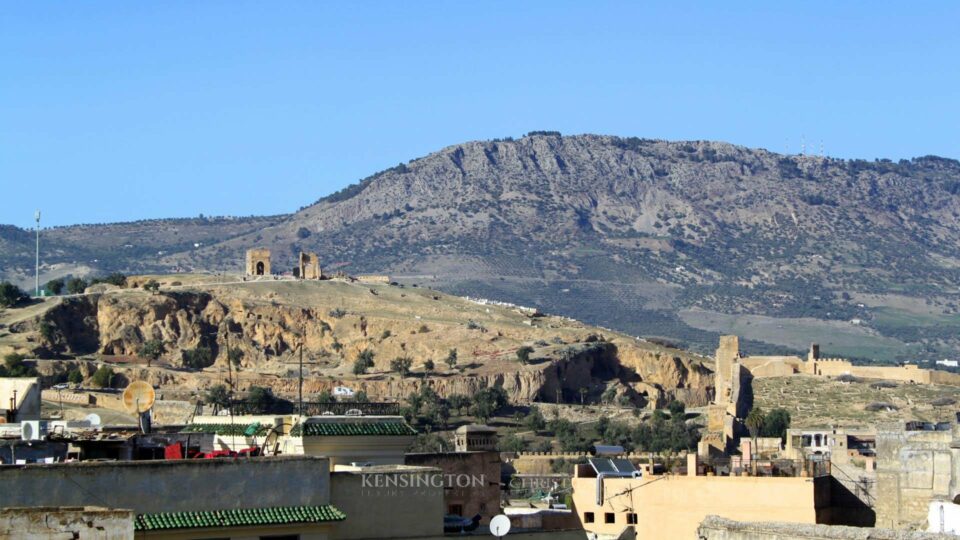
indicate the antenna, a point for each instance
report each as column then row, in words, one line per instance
column 138, row 399
column 499, row 525
column 803, row 145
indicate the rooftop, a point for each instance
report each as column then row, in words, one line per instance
column 244, row 517
column 385, row 427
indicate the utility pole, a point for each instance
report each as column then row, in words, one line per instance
column 37, row 217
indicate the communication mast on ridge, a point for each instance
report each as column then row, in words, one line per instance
column 803, row 145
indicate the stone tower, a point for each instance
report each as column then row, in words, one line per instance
column 258, row 262
column 309, row 266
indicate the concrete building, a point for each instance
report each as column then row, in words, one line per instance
column 840, row 445
column 471, row 473
column 611, row 502
column 19, row 399
column 916, row 463
column 240, row 498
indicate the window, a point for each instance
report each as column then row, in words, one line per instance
column 631, row 518
column 609, row 517
column 588, row 517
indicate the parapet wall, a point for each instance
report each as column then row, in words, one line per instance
column 718, row 528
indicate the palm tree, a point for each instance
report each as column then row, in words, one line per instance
column 754, row 422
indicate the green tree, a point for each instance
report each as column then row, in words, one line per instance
column 152, row 286
column 10, row 294
column 74, row 376
column 523, row 354
column 360, row 397
column 363, row 362
column 677, row 408
column 14, row 366
column 459, row 402
column 235, row 356
column 76, row 285
column 754, row 421
column 451, row 359
column 218, row 395
column 326, row 396
column 198, row 358
column 487, row 402
column 151, row 349
column 55, row 286
column 260, row 399
column 401, row 365
column 609, row 395
column 776, row 423
column 535, row 421
column 103, row 377
column 512, row 443
column 429, row 366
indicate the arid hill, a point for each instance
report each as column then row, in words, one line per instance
column 678, row 239
column 266, row 321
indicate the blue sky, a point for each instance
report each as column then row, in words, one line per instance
column 128, row 110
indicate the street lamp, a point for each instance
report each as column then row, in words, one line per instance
column 37, row 217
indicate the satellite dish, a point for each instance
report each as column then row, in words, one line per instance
column 138, row 397
column 499, row 525
column 93, row 419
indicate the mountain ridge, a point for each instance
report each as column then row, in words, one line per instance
column 644, row 235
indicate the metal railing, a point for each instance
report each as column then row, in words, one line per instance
column 767, row 467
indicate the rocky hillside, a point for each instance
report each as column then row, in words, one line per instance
column 265, row 322
column 677, row 239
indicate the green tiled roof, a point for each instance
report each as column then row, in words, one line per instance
column 251, row 517
column 225, row 429
column 339, row 429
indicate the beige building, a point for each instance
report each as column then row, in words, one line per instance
column 916, row 463
column 814, row 364
column 669, row 507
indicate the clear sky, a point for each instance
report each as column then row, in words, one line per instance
column 113, row 111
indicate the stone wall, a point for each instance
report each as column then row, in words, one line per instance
column 482, row 467
column 77, row 523
column 913, row 468
column 718, row 528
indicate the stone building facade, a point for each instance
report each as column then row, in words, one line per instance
column 258, row 262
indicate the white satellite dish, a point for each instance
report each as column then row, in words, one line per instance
column 93, row 419
column 500, row 525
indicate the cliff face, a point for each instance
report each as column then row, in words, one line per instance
column 268, row 327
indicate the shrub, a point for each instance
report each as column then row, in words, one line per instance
column 401, row 365
column 451, row 359
column 103, row 377
column 337, row 313
column 363, row 362
column 55, row 286
column 75, row 377
column 10, row 294
column 523, row 354
column 260, row 399
column 423, row 329
column 385, row 335
column 303, row 233
column 14, row 366
column 198, row 358
column 76, row 285
column 429, row 366
column 151, row 286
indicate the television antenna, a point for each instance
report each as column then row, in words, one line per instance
column 499, row 525
column 138, row 399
